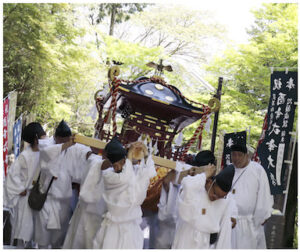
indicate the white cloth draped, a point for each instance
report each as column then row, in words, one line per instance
column 167, row 216
column 254, row 203
column 19, row 178
column 124, row 193
column 67, row 166
column 20, row 175
column 194, row 227
column 87, row 217
column 167, row 211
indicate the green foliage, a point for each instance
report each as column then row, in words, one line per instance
column 44, row 61
column 122, row 11
column 56, row 68
column 273, row 43
column 133, row 56
column 180, row 31
column 118, row 12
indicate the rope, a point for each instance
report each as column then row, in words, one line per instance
column 113, row 105
column 114, row 91
column 99, row 122
column 128, row 127
column 198, row 133
column 255, row 156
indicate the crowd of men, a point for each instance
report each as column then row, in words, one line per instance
column 94, row 201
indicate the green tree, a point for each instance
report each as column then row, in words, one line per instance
column 180, row 31
column 118, row 13
column 44, row 60
column 180, row 34
column 183, row 36
column 56, row 67
column 274, row 43
column 132, row 55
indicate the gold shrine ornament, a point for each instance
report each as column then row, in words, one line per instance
column 158, row 77
column 96, row 94
column 214, row 104
column 113, row 71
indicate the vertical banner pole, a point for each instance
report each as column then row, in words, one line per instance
column 5, row 133
column 216, row 117
column 290, row 167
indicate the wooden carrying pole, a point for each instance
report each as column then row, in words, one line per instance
column 93, row 142
column 89, row 141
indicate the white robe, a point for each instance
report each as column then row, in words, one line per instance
column 87, row 217
column 254, row 202
column 167, row 216
column 194, row 227
column 51, row 222
column 124, row 193
column 167, row 211
column 19, row 178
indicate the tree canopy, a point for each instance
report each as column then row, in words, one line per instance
column 118, row 13
column 56, row 64
column 43, row 60
column 273, row 43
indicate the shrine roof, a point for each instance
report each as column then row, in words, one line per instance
column 161, row 101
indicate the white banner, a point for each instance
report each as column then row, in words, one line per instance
column 11, row 117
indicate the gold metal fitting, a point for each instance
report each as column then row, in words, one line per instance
column 113, row 71
column 214, row 104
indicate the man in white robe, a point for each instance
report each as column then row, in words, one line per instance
column 87, row 216
column 167, row 209
column 167, row 213
column 64, row 162
column 125, row 191
column 18, row 184
column 203, row 210
column 251, row 192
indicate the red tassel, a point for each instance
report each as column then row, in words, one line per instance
column 199, row 143
column 255, row 156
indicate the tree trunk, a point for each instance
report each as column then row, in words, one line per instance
column 96, row 34
column 112, row 20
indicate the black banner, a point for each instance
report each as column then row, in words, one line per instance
column 273, row 150
column 229, row 140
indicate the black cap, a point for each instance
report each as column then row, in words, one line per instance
column 204, row 158
column 239, row 147
column 32, row 131
column 225, row 177
column 115, row 150
column 63, row 130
